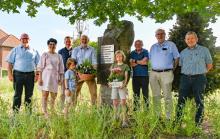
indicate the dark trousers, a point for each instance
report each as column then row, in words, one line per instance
column 26, row 80
column 140, row 82
column 192, row 86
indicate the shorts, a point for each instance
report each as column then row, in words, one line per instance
column 119, row 93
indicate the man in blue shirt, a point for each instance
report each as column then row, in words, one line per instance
column 140, row 79
column 23, row 60
column 164, row 58
column 195, row 62
column 80, row 54
column 65, row 53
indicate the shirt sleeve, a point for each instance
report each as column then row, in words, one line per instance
column 94, row 58
column 61, row 65
column 74, row 53
column 146, row 54
column 181, row 59
column 67, row 75
column 175, row 51
column 42, row 63
column 208, row 57
column 127, row 68
column 11, row 56
column 37, row 58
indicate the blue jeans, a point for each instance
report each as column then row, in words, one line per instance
column 26, row 80
column 192, row 85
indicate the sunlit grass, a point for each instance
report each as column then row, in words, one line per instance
column 89, row 122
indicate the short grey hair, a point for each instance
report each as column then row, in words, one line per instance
column 191, row 33
column 160, row 29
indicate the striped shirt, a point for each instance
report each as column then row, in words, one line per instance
column 193, row 61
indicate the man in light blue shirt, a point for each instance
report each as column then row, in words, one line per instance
column 195, row 62
column 164, row 58
column 23, row 60
column 80, row 54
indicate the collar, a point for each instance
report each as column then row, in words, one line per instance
column 87, row 47
column 140, row 51
column 162, row 44
column 68, row 49
column 25, row 47
column 196, row 46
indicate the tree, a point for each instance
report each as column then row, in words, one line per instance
column 194, row 22
column 113, row 10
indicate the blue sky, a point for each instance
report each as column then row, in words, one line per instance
column 47, row 24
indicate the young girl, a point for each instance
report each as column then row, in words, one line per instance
column 119, row 78
column 70, row 84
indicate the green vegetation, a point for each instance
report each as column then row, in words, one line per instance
column 89, row 122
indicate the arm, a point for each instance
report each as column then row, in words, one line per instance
column 66, row 84
column 10, row 75
column 175, row 64
column 125, row 80
column 143, row 61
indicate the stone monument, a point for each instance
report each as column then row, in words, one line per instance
column 116, row 37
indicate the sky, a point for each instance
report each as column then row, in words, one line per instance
column 47, row 25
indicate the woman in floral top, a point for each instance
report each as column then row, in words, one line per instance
column 118, row 81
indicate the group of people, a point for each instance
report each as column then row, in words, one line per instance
column 25, row 66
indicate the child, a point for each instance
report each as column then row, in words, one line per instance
column 69, row 84
column 119, row 78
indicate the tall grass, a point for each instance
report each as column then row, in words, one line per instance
column 97, row 122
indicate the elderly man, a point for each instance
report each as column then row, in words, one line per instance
column 195, row 62
column 80, row 54
column 65, row 53
column 164, row 58
column 140, row 79
column 23, row 61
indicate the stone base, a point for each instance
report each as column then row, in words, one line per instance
column 105, row 95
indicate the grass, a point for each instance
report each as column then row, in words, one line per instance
column 96, row 122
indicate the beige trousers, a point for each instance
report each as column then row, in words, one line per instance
column 161, row 85
column 92, row 89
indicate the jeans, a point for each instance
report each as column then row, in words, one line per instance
column 193, row 85
column 26, row 80
column 140, row 82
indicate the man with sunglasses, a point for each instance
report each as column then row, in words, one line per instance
column 22, row 63
column 164, row 58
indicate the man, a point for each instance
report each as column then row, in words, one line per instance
column 23, row 61
column 65, row 53
column 140, row 79
column 82, row 53
column 195, row 62
column 164, row 58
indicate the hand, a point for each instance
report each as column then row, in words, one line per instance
column 36, row 77
column 10, row 77
column 40, row 82
column 133, row 64
column 123, row 86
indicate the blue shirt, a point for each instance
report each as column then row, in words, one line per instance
column 194, row 61
column 163, row 55
column 22, row 59
column 70, row 76
column 80, row 54
column 140, row 70
column 65, row 53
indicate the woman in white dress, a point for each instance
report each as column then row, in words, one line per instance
column 51, row 70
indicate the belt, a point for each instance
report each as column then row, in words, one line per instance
column 20, row 72
column 164, row 70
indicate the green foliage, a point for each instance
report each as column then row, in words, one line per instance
column 86, row 67
column 113, row 10
column 194, row 22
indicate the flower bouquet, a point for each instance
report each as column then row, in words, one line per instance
column 116, row 77
column 86, row 71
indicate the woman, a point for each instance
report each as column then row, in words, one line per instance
column 51, row 70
